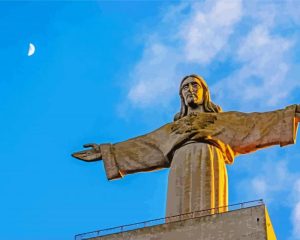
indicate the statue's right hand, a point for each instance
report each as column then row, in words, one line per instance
column 89, row 155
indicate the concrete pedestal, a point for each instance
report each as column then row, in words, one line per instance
column 246, row 224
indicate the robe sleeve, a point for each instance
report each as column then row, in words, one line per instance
column 134, row 155
column 248, row 132
column 144, row 153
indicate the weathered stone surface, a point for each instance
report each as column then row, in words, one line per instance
column 243, row 224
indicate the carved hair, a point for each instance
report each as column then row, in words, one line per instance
column 208, row 105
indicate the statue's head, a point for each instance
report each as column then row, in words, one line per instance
column 193, row 92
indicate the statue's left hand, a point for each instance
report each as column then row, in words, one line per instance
column 298, row 108
column 298, row 112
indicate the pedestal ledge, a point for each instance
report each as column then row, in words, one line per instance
column 246, row 224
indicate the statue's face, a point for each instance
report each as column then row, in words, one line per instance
column 192, row 92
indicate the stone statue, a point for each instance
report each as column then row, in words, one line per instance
column 196, row 147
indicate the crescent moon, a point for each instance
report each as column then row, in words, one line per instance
column 31, row 49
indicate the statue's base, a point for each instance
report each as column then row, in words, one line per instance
column 246, row 223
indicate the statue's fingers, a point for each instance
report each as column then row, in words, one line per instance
column 92, row 145
column 88, row 156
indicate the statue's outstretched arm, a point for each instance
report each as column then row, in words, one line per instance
column 148, row 152
column 143, row 153
column 248, row 132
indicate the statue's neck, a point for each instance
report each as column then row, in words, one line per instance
column 198, row 109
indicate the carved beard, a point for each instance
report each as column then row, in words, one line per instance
column 191, row 101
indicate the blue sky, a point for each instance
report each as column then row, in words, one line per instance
column 108, row 71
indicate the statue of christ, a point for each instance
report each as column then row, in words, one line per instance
column 196, row 147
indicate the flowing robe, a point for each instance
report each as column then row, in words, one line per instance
column 197, row 149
